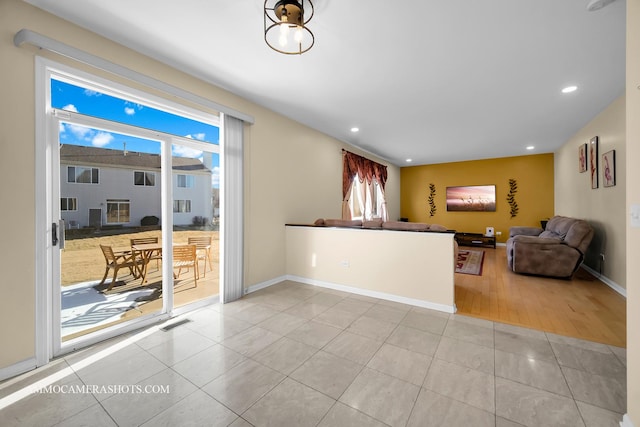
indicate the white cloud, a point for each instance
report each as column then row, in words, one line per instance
column 78, row 131
column 129, row 111
column 198, row 136
column 90, row 92
column 132, row 106
column 182, row 151
column 70, row 107
column 215, row 176
column 101, row 139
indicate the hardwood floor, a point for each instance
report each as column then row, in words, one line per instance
column 582, row 308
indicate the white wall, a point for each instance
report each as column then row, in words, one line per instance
column 604, row 208
column 117, row 183
column 199, row 195
column 411, row 267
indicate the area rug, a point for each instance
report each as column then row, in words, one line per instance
column 470, row 262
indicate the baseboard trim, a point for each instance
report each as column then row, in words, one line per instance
column 358, row 291
column 375, row 294
column 613, row 285
column 626, row 421
column 18, row 368
column 264, row 284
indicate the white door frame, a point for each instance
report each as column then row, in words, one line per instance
column 48, row 343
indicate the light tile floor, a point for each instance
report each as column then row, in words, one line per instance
column 297, row 355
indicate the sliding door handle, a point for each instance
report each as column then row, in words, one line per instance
column 54, row 233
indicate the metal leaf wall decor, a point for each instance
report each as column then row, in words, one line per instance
column 432, row 202
column 511, row 197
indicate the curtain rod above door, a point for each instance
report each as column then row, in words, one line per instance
column 43, row 42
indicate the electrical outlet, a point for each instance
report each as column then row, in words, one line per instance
column 344, row 263
column 635, row 216
column 498, row 233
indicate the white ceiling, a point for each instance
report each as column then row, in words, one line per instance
column 435, row 81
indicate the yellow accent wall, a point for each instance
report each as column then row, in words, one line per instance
column 534, row 175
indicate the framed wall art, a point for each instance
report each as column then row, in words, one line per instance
column 609, row 168
column 582, row 158
column 593, row 161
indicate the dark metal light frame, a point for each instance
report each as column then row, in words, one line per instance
column 283, row 17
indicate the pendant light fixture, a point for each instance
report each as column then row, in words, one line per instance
column 285, row 26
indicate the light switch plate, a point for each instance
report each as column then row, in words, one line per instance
column 635, row 216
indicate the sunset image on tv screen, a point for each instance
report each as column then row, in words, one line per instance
column 473, row 198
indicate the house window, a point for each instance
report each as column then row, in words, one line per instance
column 182, row 206
column 82, row 175
column 366, row 199
column 118, row 211
column 68, row 204
column 146, row 179
column 185, row 181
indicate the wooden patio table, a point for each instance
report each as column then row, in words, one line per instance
column 147, row 251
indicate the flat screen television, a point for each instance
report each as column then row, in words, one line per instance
column 471, row 198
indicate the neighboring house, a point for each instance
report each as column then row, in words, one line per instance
column 100, row 186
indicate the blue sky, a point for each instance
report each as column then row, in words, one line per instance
column 73, row 98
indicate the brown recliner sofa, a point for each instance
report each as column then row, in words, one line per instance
column 556, row 251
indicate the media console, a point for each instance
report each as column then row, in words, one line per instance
column 476, row 239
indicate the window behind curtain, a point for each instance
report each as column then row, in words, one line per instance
column 371, row 206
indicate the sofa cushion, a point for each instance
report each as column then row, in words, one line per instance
column 560, row 225
column 579, row 235
column 437, row 227
column 374, row 223
column 343, row 222
column 526, row 231
column 547, row 234
column 401, row 225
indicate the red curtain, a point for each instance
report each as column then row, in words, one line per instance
column 365, row 168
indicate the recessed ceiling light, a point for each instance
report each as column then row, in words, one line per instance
column 569, row 89
column 409, row 160
column 530, row 147
column 355, row 129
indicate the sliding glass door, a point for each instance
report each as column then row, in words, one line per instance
column 133, row 210
column 107, row 205
column 196, row 221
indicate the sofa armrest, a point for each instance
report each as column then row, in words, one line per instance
column 525, row 231
column 535, row 240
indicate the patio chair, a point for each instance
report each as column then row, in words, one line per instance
column 185, row 256
column 116, row 261
column 203, row 249
column 157, row 255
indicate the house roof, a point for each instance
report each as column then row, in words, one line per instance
column 92, row 156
